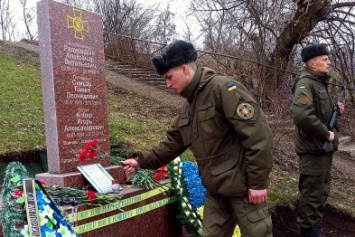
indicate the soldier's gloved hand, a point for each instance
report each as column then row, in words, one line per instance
column 331, row 136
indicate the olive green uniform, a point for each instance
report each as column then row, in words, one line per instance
column 311, row 110
column 228, row 134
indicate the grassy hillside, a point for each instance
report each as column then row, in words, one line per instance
column 21, row 113
column 22, row 119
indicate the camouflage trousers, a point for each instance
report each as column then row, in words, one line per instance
column 314, row 187
column 221, row 215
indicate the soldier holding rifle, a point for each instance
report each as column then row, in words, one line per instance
column 312, row 109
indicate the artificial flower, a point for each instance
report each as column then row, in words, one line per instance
column 192, row 179
column 64, row 231
column 82, row 156
column 51, row 234
column 17, row 179
column 161, row 173
column 92, row 154
column 91, row 145
column 52, row 223
column 190, row 194
column 42, row 199
column 89, row 151
column 18, row 193
column 25, row 231
column 47, row 212
column 48, row 231
column 91, row 195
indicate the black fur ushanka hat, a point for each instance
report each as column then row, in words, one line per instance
column 176, row 53
column 313, row 50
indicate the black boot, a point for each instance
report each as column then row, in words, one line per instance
column 310, row 232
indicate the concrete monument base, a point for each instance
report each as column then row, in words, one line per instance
column 76, row 179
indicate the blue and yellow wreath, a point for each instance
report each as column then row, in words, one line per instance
column 190, row 194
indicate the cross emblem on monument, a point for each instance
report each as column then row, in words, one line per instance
column 78, row 24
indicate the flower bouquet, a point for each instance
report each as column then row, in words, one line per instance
column 140, row 178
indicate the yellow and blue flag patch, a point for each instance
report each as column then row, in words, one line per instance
column 231, row 86
column 302, row 86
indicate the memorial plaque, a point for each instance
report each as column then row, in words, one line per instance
column 73, row 83
column 98, row 177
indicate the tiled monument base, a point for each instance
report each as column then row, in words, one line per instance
column 76, row 179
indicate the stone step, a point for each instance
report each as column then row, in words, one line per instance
column 144, row 74
column 136, row 73
column 151, row 82
column 348, row 149
column 147, row 78
column 139, row 75
column 130, row 69
column 343, row 140
column 112, row 64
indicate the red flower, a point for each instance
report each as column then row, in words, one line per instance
column 161, row 173
column 92, row 154
column 17, row 193
column 82, row 156
column 157, row 177
column 89, row 151
column 91, row 195
column 91, row 145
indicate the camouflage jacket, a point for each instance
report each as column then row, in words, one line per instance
column 226, row 131
column 311, row 108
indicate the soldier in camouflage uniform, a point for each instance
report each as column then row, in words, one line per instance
column 311, row 110
column 228, row 134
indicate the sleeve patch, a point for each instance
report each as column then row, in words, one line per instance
column 303, row 99
column 245, row 111
column 302, row 85
column 231, row 86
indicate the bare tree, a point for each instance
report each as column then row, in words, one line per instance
column 28, row 18
column 270, row 32
column 6, row 20
column 343, row 53
column 85, row 4
column 164, row 26
column 310, row 22
column 125, row 17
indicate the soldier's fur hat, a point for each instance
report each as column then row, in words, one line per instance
column 176, row 53
column 313, row 50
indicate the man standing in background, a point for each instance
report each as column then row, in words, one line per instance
column 311, row 110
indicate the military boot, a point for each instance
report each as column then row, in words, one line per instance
column 310, row 232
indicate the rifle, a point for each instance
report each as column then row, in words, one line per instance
column 334, row 117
